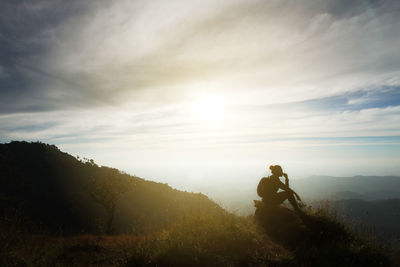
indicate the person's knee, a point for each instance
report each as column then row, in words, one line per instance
column 288, row 195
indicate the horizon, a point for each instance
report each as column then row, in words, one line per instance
column 203, row 94
column 238, row 197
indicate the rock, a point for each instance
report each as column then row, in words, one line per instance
column 281, row 224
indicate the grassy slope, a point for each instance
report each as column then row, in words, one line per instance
column 219, row 239
column 201, row 240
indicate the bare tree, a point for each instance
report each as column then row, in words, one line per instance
column 106, row 188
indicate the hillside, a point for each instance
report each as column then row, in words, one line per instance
column 52, row 188
column 369, row 204
column 55, row 208
column 379, row 218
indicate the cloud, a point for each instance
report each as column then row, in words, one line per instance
column 28, row 31
column 3, row 73
column 88, row 54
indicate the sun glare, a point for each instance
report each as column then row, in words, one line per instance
column 208, row 109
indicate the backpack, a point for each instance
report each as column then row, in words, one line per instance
column 263, row 187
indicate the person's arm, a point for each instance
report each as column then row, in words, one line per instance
column 286, row 179
column 297, row 196
column 286, row 188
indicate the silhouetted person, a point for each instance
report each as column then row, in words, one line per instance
column 268, row 189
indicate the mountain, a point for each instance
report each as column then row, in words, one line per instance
column 61, row 194
column 380, row 217
column 360, row 187
column 368, row 204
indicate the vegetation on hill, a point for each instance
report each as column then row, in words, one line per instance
column 48, row 218
column 379, row 219
column 72, row 196
column 216, row 239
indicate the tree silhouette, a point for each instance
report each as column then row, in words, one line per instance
column 106, row 188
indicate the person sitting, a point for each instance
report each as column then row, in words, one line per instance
column 268, row 188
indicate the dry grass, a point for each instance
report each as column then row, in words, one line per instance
column 219, row 239
column 203, row 240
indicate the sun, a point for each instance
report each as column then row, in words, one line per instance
column 208, row 108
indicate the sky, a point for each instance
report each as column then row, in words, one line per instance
column 204, row 94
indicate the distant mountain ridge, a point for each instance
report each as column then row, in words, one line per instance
column 381, row 214
column 369, row 204
column 356, row 187
column 54, row 189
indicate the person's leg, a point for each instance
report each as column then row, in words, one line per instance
column 282, row 196
column 293, row 202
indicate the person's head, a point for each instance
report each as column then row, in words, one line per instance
column 276, row 170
